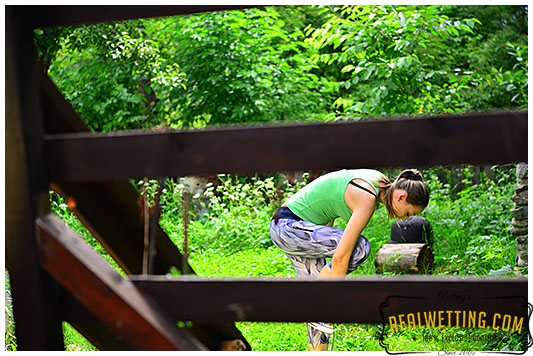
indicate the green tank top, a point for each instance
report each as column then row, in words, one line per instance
column 322, row 200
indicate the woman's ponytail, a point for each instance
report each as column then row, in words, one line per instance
column 411, row 174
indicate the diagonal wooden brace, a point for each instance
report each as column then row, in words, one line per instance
column 110, row 297
column 100, row 205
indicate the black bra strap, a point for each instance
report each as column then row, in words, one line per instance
column 368, row 190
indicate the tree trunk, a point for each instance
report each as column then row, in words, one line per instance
column 404, row 258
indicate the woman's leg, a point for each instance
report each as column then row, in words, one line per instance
column 307, row 245
column 312, row 241
column 307, row 267
column 310, row 268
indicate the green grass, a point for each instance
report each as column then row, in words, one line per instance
column 250, row 263
column 74, row 341
column 349, row 337
column 275, row 336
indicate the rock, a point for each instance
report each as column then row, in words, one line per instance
column 520, row 198
column 521, row 240
column 518, row 231
column 522, row 181
column 521, row 171
column 519, row 212
column 519, row 223
column 521, row 259
column 521, row 187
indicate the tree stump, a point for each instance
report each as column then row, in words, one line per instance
column 409, row 258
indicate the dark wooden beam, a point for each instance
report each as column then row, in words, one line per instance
column 100, row 205
column 361, row 300
column 71, row 15
column 473, row 138
column 35, row 296
column 108, row 296
column 92, row 328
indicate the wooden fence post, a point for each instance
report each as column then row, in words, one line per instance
column 35, row 296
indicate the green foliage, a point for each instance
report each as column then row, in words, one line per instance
column 275, row 336
column 493, row 59
column 469, row 239
column 485, row 253
column 291, row 63
column 386, row 55
column 403, row 60
column 216, row 68
column 237, row 217
column 470, row 232
column 114, row 75
column 241, row 66
column 500, row 25
column 257, row 262
column 48, row 43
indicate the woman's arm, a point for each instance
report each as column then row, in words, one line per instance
column 362, row 204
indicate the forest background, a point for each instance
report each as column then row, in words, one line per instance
column 288, row 64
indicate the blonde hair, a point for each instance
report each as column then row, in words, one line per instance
column 412, row 182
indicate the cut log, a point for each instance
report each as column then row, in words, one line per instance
column 404, row 258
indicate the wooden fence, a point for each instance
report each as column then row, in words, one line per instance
column 56, row 276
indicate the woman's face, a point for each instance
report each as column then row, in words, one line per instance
column 402, row 208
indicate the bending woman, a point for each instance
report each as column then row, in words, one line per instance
column 302, row 227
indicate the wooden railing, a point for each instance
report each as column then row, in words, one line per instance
column 430, row 141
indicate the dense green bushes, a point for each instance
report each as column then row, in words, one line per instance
column 470, row 232
column 291, row 63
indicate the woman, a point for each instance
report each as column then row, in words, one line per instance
column 302, row 227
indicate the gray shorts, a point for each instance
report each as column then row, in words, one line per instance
column 307, row 246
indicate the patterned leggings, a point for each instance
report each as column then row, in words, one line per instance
column 307, row 245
